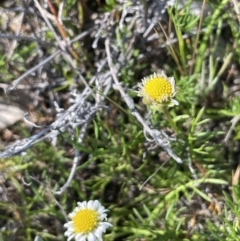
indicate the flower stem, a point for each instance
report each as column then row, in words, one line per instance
column 169, row 118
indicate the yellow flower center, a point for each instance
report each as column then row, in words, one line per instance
column 85, row 221
column 158, row 88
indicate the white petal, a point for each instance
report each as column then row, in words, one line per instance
column 91, row 237
column 70, row 237
column 102, row 227
column 68, row 224
column 90, row 204
column 172, row 81
column 67, row 233
column 96, row 205
column 174, row 102
column 80, row 237
column 101, row 209
column 103, row 217
column 82, row 204
column 98, row 232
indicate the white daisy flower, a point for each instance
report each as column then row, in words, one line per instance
column 157, row 90
column 87, row 222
